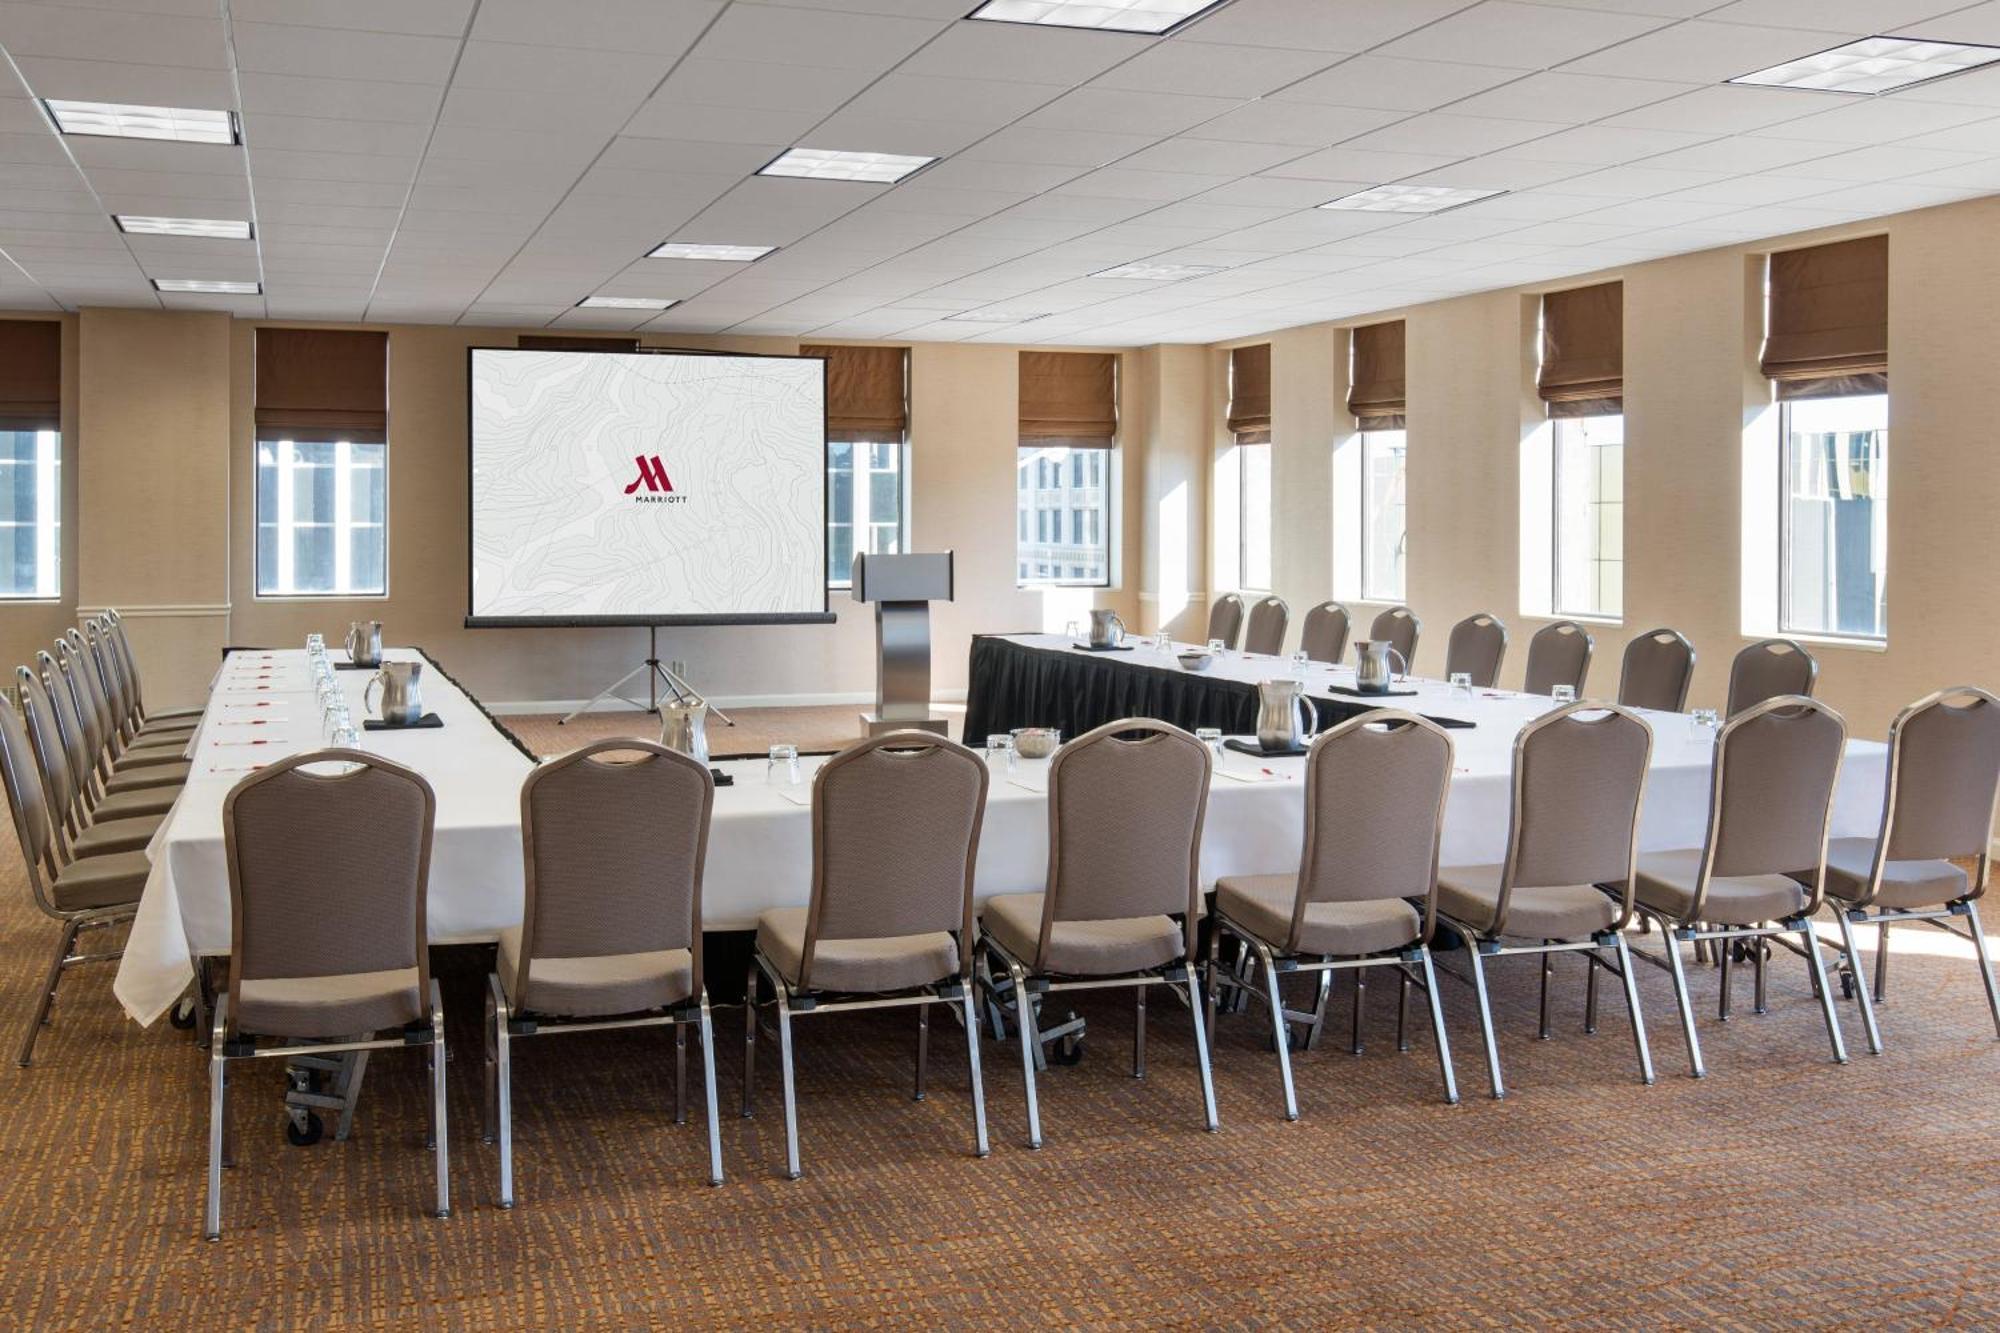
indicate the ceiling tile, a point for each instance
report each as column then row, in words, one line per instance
column 663, row 27
column 1521, row 36
column 1319, row 25
column 1396, row 85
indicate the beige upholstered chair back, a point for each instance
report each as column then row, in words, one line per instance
column 896, row 822
column 1477, row 646
column 33, row 825
column 614, row 849
column 75, row 733
column 1266, row 632
column 111, row 671
column 1944, row 770
column 1126, row 803
column 1225, row 619
column 1323, row 637
column 1658, row 667
column 93, row 714
column 1375, row 793
column 93, row 674
column 1559, row 654
column 328, row 869
column 1579, row 778
column 1772, row 789
column 45, row 739
column 115, row 634
column 1767, row 669
column 1400, row 626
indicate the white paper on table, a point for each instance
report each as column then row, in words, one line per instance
column 1242, row 775
column 1039, row 788
column 797, row 795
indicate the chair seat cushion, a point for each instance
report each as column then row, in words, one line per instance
column 173, row 715
column 136, row 803
column 1912, row 884
column 143, row 779
column 625, row 983
column 901, row 962
column 113, row 880
column 1471, row 894
column 116, row 835
column 152, row 756
column 157, row 743
column 1667, row 882
column 1081, row 948
column 1263, row 904
column 321, row 1007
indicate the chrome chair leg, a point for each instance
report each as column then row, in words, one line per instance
column 489, row 1128
column 680, row 1074
column 1280, row 1030
column 749, row 1036
column 48, row 992
column 1324, row 996
column 1210, row 983
column 1402, row 1012
column 1548, row 965
column 502, row 1079
column 439, row 1126
column 218, row 1083
column 1882, row 963
column 1760, row 995
column 1360, row 999
column 1211, row 1123
column 792, row 1170
column 1139, row 1031
column 980, row 1146
column 1024, row 1023
column 712, row 1106
column 1632, row 1004
column 923, row 1049
column 1437, row 1026
column 1861, row 995
column 1810, row 947
column 1985, row 964
column 1592, row 965
column 1725, row 998
column 1486, row 1019
column 1684, row 1001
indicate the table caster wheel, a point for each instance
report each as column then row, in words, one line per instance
column 304, row 1136
column 182, row 1014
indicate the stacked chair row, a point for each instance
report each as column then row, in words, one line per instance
column 611, row 927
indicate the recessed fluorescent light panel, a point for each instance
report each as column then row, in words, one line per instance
column 1147, row 16
column 735, row 254
column 624, row 303
column 208, row 287
column 220, row 229
column 835, row 164
column 1874, row 65
column 1145, row 272
column 998, row 316
column 1409, row 199
column 181, row 124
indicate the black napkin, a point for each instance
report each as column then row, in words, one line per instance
column 1107, row 648
column 424, row 723
column 1353, row 693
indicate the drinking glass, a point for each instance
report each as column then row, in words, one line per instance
column 1461, row 683
column 346, row 735
column 1163, row 642
column 1074, row 630
column 1212, row 738
column 315, row 644
column 782, row 768
column 998, row 744
column 1217, row 647
column 1563, row 694
column 1301, row 660
column 1704, row 722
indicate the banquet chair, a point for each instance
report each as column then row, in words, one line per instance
column 83, row 894
column 895, row 836
column 118, row 767
column 1559, row 654
column 75, row 832
column 1656, row 672
column 81, row 751
column 1477, row 646
column 1761, row 869
column 133, row 726
column 1767, row 669
column 1400, row 626
column 610, row 933
column 1266, row 630
column 1365, row 893
column 1126, row 803
column 1323, row 637
column 123, row 644
column 355, row 843
column 1579, row 778
column 1225, row 619
column 1944, row 775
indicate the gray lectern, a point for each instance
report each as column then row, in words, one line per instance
column 902, row 588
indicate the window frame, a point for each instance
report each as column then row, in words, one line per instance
column 1107, row 487
column 1557, row 605
column 257, row 592
column 902, row 448
column 49, row 506
column 1270, row 554
column 1785, row 625
column 1369, row 592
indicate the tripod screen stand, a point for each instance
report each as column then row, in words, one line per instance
column 657, row 675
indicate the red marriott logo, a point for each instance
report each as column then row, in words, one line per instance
column 652, row 475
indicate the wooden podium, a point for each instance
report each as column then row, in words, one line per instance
column 902, row 587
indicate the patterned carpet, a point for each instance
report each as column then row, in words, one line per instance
column 1781, row 1190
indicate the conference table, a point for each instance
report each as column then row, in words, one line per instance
column 262, row 706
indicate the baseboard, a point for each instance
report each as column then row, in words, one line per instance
column 725, row 702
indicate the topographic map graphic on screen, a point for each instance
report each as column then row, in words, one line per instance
column 643, row 485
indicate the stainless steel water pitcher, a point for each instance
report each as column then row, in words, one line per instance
column 684, row 727
column 1286, row 719
column 402, row 692
column 1107, row 629
column 364, row 643
column 1372, row 672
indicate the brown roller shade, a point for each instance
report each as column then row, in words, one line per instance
column 1375, row 388
column 561, row 342
column 1069, row 398
column 1250, row 394
column 323, row 384
column 867, row 397
column 30, row 374
column 1583, row 351
column 1828, row 331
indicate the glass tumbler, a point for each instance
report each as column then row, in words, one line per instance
column 1000, row 744
column 1563, row 695
column 782, row 767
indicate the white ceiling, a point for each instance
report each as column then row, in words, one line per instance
column 495, row 161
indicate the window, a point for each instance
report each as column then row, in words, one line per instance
column 320, row 518
column 1383, row 525
column 1588, row 516
column 1084, row 559
column 864, row 487
column 1253, row 527
column 1834, row 516
column 30, row 513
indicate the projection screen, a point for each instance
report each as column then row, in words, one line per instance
column 655, row 488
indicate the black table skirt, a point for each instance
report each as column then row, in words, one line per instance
column 1013, row 685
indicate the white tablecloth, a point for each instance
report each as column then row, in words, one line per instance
column 760, row 845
